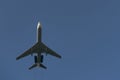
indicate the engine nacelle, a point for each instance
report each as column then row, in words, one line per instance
column 35, row 59
column 42, row 58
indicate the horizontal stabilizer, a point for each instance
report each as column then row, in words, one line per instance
column 41, row 65
column 35, row 65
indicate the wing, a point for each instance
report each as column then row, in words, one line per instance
column 49, row 51
column 28, row 52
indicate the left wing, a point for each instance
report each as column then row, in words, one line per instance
column 49, row 51
column 28, row 52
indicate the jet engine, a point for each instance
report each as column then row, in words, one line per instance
column 35, row 59
column 42, row 58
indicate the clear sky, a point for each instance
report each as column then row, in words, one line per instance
column 85, row 32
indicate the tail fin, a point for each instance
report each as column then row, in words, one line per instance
column 35, row 65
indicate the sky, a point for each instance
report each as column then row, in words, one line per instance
column 86, row 33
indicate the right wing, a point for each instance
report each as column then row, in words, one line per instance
column 28, row 52
column 50, row 51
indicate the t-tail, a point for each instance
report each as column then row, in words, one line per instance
column 39, row 32
column 35, row 65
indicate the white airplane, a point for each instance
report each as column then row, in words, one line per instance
column 39, row 48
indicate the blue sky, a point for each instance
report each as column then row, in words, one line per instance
column 85, row 32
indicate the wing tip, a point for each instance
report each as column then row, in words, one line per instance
column 17, row 58
column 60, row 57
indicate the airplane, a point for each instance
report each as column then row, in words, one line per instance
column 38, row 49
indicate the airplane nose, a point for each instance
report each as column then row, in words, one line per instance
column 39, row 25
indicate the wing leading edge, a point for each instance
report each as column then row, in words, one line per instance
column 27, row 52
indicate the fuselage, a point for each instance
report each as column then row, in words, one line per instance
column 39, row 37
